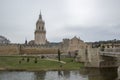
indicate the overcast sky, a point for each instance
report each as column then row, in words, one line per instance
column 91, row 20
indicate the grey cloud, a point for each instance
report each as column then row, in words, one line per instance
column 94, row 33
column 18, row 19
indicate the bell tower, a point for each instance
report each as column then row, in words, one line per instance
column 40, row 32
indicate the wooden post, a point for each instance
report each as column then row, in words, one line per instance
column 59, row 55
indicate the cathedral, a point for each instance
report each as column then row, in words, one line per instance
column 40, row 32
column 67, row 45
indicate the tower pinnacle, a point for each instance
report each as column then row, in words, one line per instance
column 40, row 16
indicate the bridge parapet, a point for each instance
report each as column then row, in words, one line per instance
column 112, row 54
column 112, row 49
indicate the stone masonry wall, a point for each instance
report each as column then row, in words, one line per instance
column 37, row 50
column 82, row 55
column 9, row 49
column 93, row 57
column 15, row 49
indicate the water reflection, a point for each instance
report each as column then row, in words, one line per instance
column 69, row 75
column 102, row 74
column 16, row 75
column 40, row 75
column 118, row 72
column 83, row 74
column 66, row 74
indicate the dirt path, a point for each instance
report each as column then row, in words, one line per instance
column 56, row 60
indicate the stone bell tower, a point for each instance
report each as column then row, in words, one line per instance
column 40, row 32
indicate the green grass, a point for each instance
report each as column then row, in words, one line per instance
column 71, row 64
column 12, row 63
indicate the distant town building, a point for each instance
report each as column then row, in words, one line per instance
column 105, row 44
column 4, row 40
column 72, row 45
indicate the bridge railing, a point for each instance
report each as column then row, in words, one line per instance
column 114, row 54
column 112, row 49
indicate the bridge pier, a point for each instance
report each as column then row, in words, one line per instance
column 92, row 58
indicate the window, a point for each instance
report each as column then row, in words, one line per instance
column 42, row 28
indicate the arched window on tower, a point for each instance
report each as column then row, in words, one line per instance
column 42, row 28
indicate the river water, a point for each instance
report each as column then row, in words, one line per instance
column 83, row 74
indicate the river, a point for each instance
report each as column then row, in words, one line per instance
column 83, row 74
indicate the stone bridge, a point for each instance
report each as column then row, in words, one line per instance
column 109, row 59
column 94, row 57
column 115, row 61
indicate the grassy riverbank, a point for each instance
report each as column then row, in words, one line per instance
column 36, row 64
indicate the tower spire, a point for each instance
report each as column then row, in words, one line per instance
column 40, row 16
